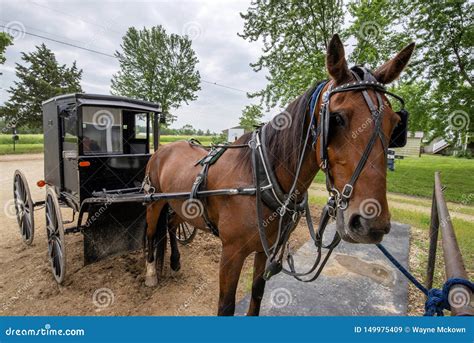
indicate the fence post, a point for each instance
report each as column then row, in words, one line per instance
column 453, row 262
column 434, row 229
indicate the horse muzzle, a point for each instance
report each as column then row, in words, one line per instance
column 355, row 228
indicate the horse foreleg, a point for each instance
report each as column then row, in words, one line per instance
column 232, row 260
column 175, row 255
column 152, row 215
column 258, row 285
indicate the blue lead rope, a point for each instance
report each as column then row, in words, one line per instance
column 437, row 299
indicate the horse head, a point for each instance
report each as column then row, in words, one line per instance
column 360, row 122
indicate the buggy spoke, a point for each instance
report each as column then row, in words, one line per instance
column 24, row 207
column 55, row 233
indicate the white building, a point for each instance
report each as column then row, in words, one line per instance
column 234, row 133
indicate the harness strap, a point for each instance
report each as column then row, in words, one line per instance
column 258, row 196
column 286, row 225
column 199, row 182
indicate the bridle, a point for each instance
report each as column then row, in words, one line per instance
column 290, row 212
column 340, row 200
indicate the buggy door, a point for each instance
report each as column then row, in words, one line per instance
column 69, row 142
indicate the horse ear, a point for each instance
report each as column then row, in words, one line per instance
column 336, row 61
column 392, row 69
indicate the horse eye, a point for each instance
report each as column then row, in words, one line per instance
column 337, row 119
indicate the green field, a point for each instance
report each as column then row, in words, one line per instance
column 6, row 149
column 412, row 176
column 23, row 139
column 33, row 143
column 415, row 176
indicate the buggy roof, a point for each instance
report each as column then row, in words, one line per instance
column 107, row 100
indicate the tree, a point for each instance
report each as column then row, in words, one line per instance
column 375, row 29
column 420, row 103
column 295, row 35
column 5, row 40
column 251, row 116
column 445, row 32
column 188, row 130
column 39, row 79
column 157, row 67
column 438, row 85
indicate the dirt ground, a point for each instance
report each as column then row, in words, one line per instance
column 114, row 286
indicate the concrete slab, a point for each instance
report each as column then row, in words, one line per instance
column 357, row 281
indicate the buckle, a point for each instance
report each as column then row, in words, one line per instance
column 347, row 191
column 252, row 144
column 332, row 205
column 323, row 165
column 343, row 204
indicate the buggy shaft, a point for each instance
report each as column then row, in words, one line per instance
column 147, row 198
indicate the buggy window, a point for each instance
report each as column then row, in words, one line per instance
column 70, row 129
column 140, row 125
column 101, row 130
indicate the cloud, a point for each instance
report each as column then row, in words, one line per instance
column 224, row 57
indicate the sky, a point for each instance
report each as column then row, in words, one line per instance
column 100, row 25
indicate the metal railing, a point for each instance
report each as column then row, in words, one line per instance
column 453, row 261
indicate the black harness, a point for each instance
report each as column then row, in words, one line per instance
column 290, row 207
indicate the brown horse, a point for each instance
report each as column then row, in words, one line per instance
column 172, row 169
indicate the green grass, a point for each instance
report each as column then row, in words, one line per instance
column 168, row 139
column 463, row 229
column 427, row 203
column 23, row 139
column 33, row 143
column 415, row 176
column 21, row 149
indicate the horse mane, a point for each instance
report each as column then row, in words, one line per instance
column 283, row 144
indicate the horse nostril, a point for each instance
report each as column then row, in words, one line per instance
column 357, row 226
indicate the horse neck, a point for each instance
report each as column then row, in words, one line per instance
column 285, row 169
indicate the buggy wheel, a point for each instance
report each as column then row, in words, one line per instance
column 55, row 233
column 23, row 207
column 185, row 233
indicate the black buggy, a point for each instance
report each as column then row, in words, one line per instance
column 96, row 148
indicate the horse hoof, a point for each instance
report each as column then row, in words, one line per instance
column 176, row 266
column 151, row 281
